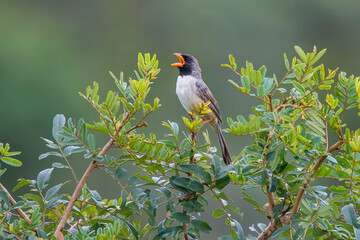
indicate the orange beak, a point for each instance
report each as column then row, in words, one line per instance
column 181, row 59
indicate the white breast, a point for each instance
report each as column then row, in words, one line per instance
column 186, row 92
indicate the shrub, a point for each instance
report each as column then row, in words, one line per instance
column 290, row 148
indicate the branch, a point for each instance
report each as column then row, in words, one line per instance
column 92, row 166
column 286, row 106
column 273, row 226
column 281, row 82
column 271, row 202
column 268, row 231
column 13, row 202
column 138, row 125
column 307, row 181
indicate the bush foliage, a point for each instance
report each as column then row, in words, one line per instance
column 297, row 137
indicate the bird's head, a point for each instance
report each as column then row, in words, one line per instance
column 188, row 65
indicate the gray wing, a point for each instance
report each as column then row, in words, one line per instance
column 205, row 94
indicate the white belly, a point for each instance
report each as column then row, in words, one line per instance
column 186, row 92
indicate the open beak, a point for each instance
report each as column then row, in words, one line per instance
column 181, row 59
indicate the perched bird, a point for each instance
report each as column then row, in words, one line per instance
column 192, row 90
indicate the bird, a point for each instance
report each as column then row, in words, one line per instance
column 192, row 91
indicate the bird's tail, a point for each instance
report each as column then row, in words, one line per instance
column 224, row 148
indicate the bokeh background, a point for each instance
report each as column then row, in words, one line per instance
column 50, row 50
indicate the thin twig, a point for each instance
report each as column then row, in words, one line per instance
column 138, row 125
column 224, row 208
column 269, row 195
column 351, row 177
column 13, row 202
column 326, row 135
column 17, row 237
column 345, row 105
column 68, row 163
column 284, row 78
column 185, row 226
column 286, row 106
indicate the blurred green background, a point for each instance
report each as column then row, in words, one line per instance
column 50, row 50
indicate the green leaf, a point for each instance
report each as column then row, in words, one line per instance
column 241, row 89
column 222, row 195
column 216, row 165
column 276, row 234
column 218, row 212
column 349, row 214
column 83, row 132
column 277, row 210
column 18, row 204
column 245, row 82
column 181, row 217
column 233, row 209
column 181, row 183
column 305, row 206
column 58, row 165
column 45, row 155
column 325, row 87
column 164, row 191
column 232, row 62
column 95, row 195
column 91, row 141
column 301, row 53
column 273, row 184
column 2, row 171
column 198, row 171
column 186, row 184
column 357, row 233
column 58, row 124
column 35, row 198
column 201, row 225
column 131, row 228
column 73, row 149
column 43, row 177
column 4, row 197
column 226, row 237
column 11, row 161
column 286, row 62
column 9, row 154
column 299, row 87
column 35, row 218
column 318, row 56
column 222, row 182
column 196, row 186
column 226, row 65
column 170, row 231
column 261, row 91
column 239, row 230
column 325, row 210
column 222, row 178
column 168, row 143
column 53, row 190
column 22, row 182
column 120, row 172
column 252, row 201
column 268, row 84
